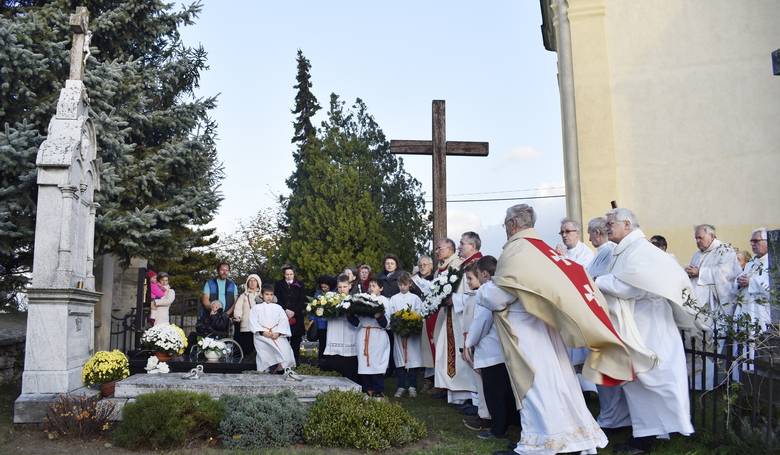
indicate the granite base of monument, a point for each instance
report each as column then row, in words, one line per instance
column 32, row 408
column 218, row 384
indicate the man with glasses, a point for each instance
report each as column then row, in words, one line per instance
column 572, row 247
column 752, row 285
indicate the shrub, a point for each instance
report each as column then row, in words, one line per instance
column 168, row 419
column 311, row 370
column 262, row 421
column 77, row 416
column 348, row 419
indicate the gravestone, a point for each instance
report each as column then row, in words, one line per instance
column 62, row 297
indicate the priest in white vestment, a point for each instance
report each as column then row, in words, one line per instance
column 540, row 301
column 712, row 271
column 753, row 299
column 572, row 248
column 451, row 370
column 613, row 409
column 650, row 290
column 268, row 321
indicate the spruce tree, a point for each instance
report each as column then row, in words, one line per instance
column 160, row 171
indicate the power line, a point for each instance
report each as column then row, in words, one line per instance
column 503, row 199
column 510, row 191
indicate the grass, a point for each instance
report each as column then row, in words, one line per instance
column 446, row 435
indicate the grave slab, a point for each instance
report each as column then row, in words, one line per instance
column 218, row 384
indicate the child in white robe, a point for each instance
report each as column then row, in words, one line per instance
column 271, row 327
column 373, row 346
column 407, row 353
column 341, row 350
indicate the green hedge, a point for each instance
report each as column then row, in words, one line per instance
column 262, row 421
column 168, row 419
column 348, row 419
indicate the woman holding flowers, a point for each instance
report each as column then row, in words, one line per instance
column 243, row 309
column 162, row 305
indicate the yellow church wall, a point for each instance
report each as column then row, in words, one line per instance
column 678, row 114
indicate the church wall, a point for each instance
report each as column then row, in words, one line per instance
column 691, row 126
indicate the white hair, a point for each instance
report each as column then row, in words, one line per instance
column 575, row 223
column 598, row 225
column 761, row 230
column 624, row 214
column 523, row 214
column 706, row 228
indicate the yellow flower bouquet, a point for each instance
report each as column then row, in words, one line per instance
column 406, row 323
column 105, row 367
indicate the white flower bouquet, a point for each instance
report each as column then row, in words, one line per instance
column 326, row 305
column 154, row 366
column 362, row 305
column 167, row 338
column 209, row 344
column 442, row 287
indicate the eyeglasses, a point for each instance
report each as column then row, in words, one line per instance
column 569, row 231
column 752, row 241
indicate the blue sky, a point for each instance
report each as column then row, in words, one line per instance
column 486, row 60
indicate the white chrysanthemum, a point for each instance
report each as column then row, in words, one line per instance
column 453, row 278
column 447, row 288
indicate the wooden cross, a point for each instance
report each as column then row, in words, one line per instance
column 79, row 23
column 439, row 147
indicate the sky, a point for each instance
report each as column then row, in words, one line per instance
column 485, row 59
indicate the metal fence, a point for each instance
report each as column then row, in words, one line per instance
column 732, row 386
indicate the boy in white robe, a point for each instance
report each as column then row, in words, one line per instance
column 406, row 352
column 373, row 346
column 269, row 323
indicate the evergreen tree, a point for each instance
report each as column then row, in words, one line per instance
column 351, row 200
column 160, row 171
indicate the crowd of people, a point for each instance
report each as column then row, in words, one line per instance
column 524, row 338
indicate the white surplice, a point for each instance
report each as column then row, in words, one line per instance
column 718, row 268
column 407, row 354
column 657, row 399
column 265, row 317
column 554, row 415
column 613, row 408
column 755, row 296
column 373, row 346
column 580, row 254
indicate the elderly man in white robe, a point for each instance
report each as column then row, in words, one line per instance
column 452, row 372
column 649, row 290
column 712, row 270
column 613, row 409
column 572, row 248
column 533, row 286
column 753, row 296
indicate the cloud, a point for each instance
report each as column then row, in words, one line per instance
column 460, row 221
column 522, row 153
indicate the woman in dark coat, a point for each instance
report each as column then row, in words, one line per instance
column 291, row 296
column 389, row 276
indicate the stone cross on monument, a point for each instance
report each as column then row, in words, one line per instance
column 62, row 297
column 439, row 148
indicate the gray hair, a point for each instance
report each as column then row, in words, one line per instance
column 624, row 214
column 523, row 213
column 472, row 238
column 598, row 225
column 424, row 258
column 707, row 228
column 575, row 223
column 761, row 230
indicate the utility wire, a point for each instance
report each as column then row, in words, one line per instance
column 503, row 199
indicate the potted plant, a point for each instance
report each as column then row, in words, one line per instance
column 212, row 348
column 165, row 340
column 104, row 369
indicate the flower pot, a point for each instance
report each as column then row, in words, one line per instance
column 107, row 389
column 162, row 356
column 212, row 356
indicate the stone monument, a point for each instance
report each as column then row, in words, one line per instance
column 60, row 321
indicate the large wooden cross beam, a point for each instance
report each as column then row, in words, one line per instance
column 439, row 147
